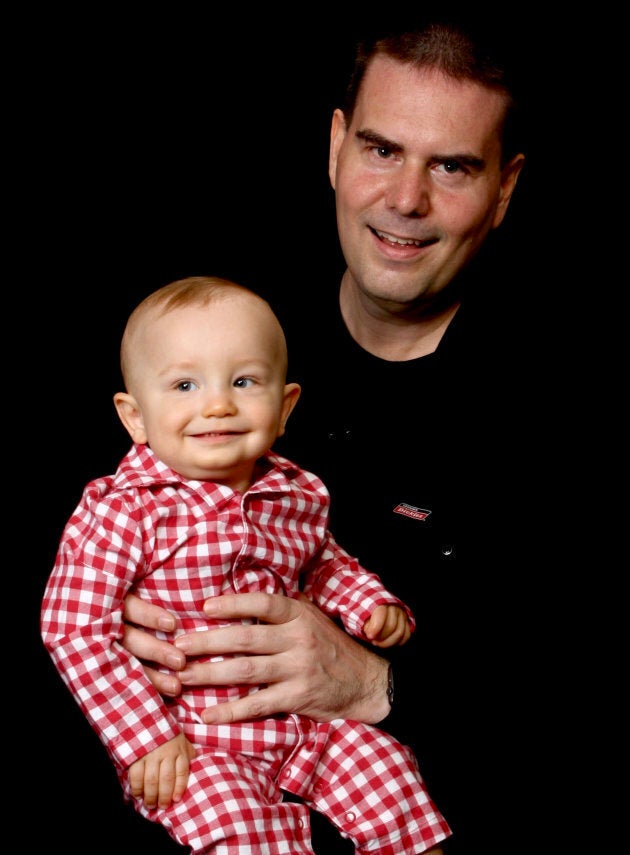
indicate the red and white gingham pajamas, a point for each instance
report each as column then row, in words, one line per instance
column 178, row 542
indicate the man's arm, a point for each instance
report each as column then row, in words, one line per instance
column 306, row 663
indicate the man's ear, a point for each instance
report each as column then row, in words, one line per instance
column 290, row 399
column 509, row 177
column 338, row 132
column 130, row 415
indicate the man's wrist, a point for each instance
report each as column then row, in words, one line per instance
column 378, row 698
column 390, row 685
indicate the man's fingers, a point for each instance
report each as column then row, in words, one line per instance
column 262, row 704
column 147, row 615
column 148, row 648
column 269, row 608
column 242, row 671
column 166, row 684
column 238, row 638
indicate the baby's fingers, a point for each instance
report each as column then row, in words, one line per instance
column 182, row 773
column 373, row 627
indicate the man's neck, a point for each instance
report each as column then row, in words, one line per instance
column 395, row 335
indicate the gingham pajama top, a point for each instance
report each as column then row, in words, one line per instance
column 177, row 542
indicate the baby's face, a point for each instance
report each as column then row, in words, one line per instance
column 210, row 385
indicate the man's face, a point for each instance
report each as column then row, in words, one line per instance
column 418, row 180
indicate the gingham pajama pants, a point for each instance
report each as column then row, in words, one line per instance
column 362, row 779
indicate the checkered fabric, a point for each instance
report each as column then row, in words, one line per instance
column 365, row 782
column 177, row 543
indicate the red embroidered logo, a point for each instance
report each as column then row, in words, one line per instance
column 409, row 511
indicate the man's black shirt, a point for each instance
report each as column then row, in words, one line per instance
column 433, row 482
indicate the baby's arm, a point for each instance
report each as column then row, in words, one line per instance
column 387, row 626
column 161, row 776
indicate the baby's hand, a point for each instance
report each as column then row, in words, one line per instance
column 161, row 776
column 387, row 625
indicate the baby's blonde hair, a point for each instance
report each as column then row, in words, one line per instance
column 191, row 291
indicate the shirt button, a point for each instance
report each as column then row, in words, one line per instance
column 300, row 823
column 350, row 817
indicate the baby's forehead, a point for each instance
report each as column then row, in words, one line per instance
column 240, row 311
column 246, row 317
column 223, row 302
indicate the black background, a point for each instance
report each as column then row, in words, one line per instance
column 158, row 147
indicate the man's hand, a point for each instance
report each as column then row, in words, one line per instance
column 303, row 661
column 149, row 649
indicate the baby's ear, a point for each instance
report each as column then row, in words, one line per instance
column 130, row 415
column 290, row 399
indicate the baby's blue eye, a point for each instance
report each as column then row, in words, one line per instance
column 186, row 386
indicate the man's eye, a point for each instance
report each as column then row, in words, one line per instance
column 383, row 151
column 186, row 386
column 451, row 166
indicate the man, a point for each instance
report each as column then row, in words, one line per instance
column 410, row 412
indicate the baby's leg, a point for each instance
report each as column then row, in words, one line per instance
column 233, row 807
column 370, row 787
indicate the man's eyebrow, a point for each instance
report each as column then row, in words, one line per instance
column 473, row 162
column 465, row 158
column 373, row 138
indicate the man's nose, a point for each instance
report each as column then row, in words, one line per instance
column 409, row 191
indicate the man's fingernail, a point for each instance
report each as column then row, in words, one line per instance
column 170, row 689
column 176, row 662
column 166, row 623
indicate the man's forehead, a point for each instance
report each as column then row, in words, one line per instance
column 388, row 81
column 404, row 103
